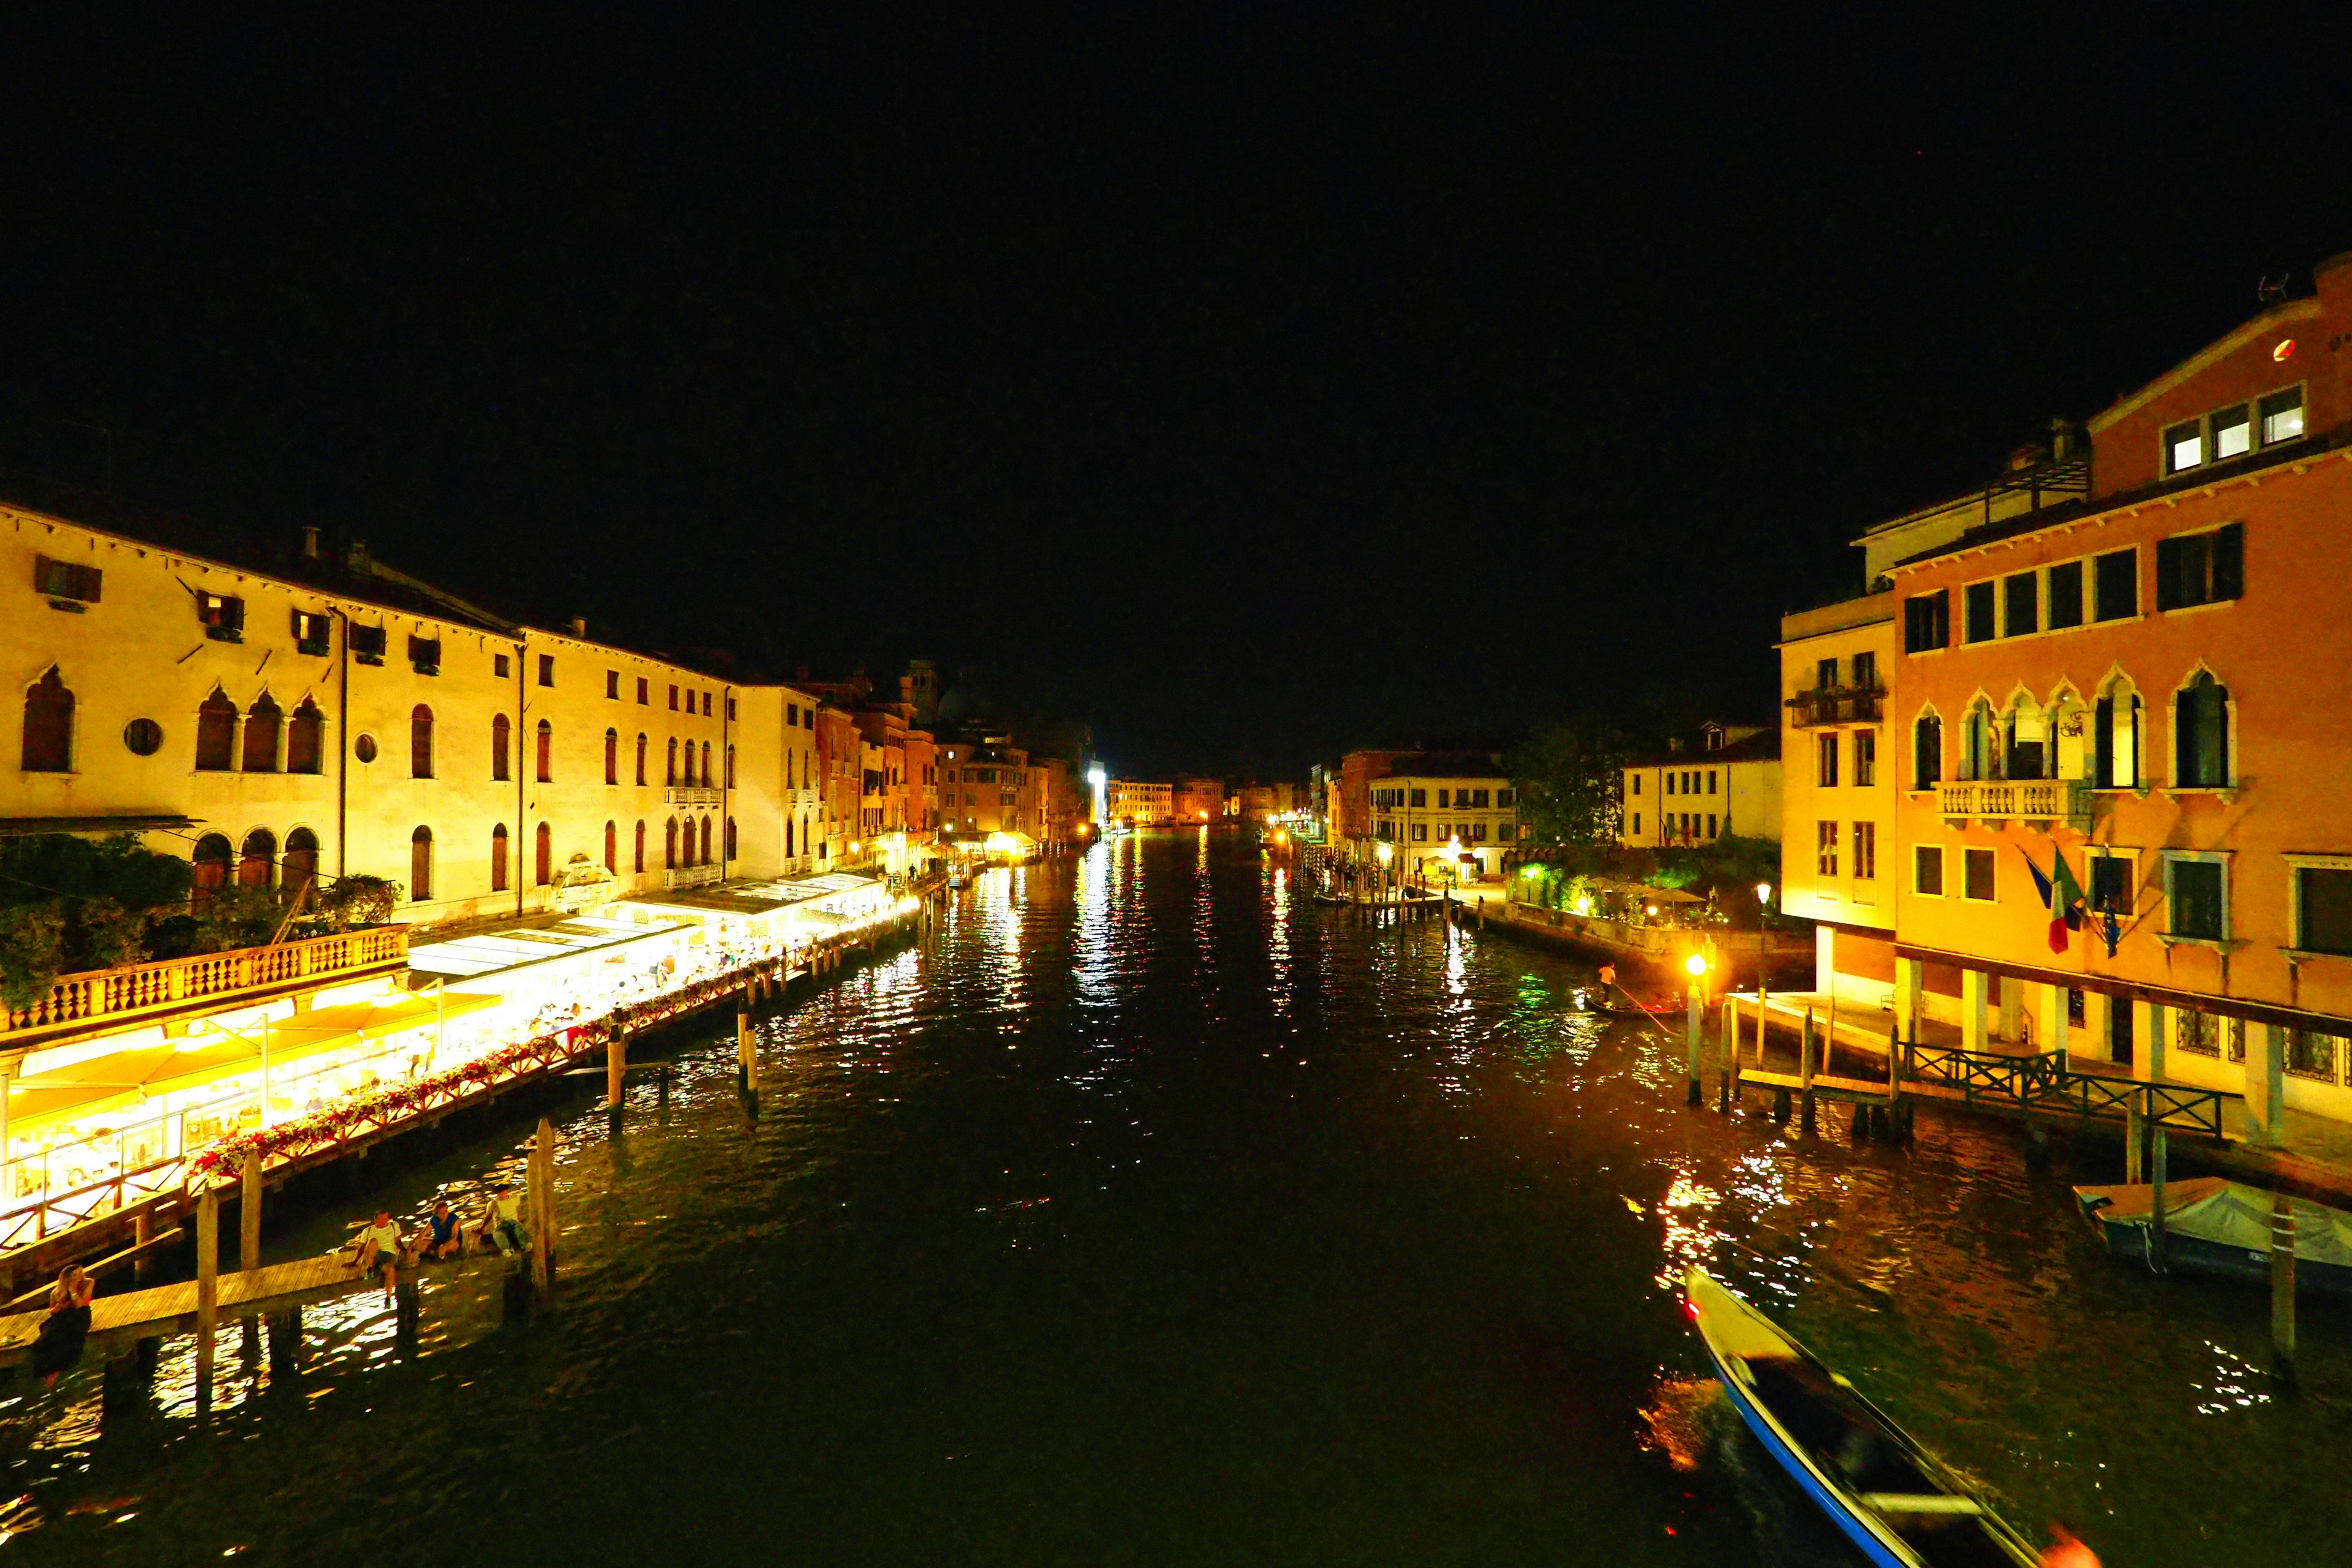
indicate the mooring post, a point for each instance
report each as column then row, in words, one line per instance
column 2155, row 1204
column 208, row 1290
column 1805, row 1074
column 541, row 1168
column 747, row 1055
column 248, row 1249
column 2133, row 1138
column 1730, row 1094
column 616, row 1067
column 1692, row 1031
column 2283, row 1286
column 143, row 1231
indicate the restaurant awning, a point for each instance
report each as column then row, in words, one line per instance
column 122, row 1079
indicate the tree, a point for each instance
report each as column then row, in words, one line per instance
column 1569, row 777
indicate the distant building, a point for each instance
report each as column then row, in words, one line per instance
column 1727, row 782
column 1452, row 812
column 1197, row 799
column 1142, row 802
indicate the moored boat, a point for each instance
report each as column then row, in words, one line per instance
column 2214, row 1226
column 1899, row 1504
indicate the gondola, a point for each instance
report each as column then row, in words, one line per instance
column 1899, row 1504
column 2213, row 1226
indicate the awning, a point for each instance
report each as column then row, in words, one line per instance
column 128, row 1079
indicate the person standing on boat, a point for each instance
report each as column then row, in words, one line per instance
column 67, row 1326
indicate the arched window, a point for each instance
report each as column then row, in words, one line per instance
column 670, row 776
column 420, row 865
column 788, row 834
column 611, row 756
column 611, row 847
column 705, row 841
column 546, row 752
column 638, row 860
column 731, row 838
column 2114, row 736
column 501, row 735
column 48, row 725
column 2200, row 732
column 216, row 734
column 261, row 725
column 2070, row 735
column 706, row 766
column 420, row 742
column 641, row 756
column 498, row 859
column 212, row 859
column 1977, row 755
column 669, row 844
column 731, row 767
column 299, row 867
column 2025, row 740
column 545, row 869
column 305, row 740
column 257, row 863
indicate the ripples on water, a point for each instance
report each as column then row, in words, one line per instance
column 1151, row 1214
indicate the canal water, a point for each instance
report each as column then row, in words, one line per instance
column 1150, row 1214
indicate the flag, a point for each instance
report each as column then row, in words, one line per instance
column 2110, row 928
column 2040, row 882
column 2071, row 900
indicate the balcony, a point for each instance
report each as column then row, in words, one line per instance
column 1835, row 705
column 104, row 999
column 680, row 794
column 689, row 875
column 2041, row 802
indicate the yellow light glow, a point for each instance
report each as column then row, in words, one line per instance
column 1763, row 892
column 1385, row 854
column 1696, row 965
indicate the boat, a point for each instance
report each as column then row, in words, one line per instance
column 2214, row 1226
column 1899, row 1504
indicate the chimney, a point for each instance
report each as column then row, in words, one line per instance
column 580, row 626
column 355, row 557
column 310, row 543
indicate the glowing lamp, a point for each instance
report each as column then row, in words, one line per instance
column 1695, row 964
column 1763, row 892
column 1385, row 853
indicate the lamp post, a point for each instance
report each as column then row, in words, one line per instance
column 1386, row 854
column 1696, row 965
column 1763, row 908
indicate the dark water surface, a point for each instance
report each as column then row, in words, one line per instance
column 1151, row 1216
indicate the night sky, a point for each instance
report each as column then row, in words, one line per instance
column 1252, row 389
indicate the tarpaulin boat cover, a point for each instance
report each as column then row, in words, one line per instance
column 2228, row 1213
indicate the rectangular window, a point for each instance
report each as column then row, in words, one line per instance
column 2282, row 416
column 613, row 686
column 1928, row 621
column 367, row 644
column 2111, row 883
column 498, row 669
column 222, row 615
column 1865, row 851
column 2310, row 1054
column 1865, row 758
column 1503, row 797
column 425, row 655
column 2184, row 446
column 1637, row 789
column 1976, row 875
column 2066, row 595
column 673, row 699
column 1421, row 797
column 311, row 635
column 2197, row 895
column 2116, row 582
column 2196, row 1033
column 1637, row 823
column 1977, row 602
column 2200, row 568
column 645, row 692
column 1710, row 825
column 1825, row 773
column 1825, row 675
column 66, row 580
column 1865, row 672
column 706, row 705
column 2323, row 899
column 1826, row 848
column 2021, row 604
column 1928, row 871
column 2233, row 433
column 1420, row 833
column 547, row 669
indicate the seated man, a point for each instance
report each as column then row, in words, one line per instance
column 444, row 1238
column 380, row 1245
column 502, row 1221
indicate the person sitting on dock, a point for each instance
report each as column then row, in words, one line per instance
column 446, row 1237
column 67, row 1326
column 503, row 1222
column 380, row 1245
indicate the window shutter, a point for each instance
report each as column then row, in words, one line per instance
column 2229, row 562
column 2168, row 573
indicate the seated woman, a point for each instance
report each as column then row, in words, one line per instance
column 66, row 1327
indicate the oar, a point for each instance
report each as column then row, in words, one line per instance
column 1643, row 1011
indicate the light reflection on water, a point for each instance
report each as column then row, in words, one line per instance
column 1154, row 1213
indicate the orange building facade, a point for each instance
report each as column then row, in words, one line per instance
column 2144, row 685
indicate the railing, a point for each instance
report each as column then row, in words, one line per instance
column 109, row 995
column 2017, row 800
column 680, row 794
column 48, row 1214
column 689, row 875
column 2043, row 1082
column 1835, row 705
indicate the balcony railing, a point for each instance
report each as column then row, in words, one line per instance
column 1835, row 705
column 2066, row 801
column 689, row 875
column 682, row 794
column 108, row 996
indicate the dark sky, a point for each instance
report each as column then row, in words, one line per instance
column 1249, row 387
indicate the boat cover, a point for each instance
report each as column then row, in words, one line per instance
column 2228, row 1213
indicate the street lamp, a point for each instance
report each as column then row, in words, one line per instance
column 1696, row 967
column 1763, row 908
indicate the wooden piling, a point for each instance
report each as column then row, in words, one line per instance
column 2283, row 1286
column 1829, row 1036
column 1805, row 1077
column 2133, row 1136
column 208, row 1290
column 248, row 1248
column 2155, row 1207
column 1692, row 1030
column 747, row 1055
column 616, row 1067
column 542, row 1199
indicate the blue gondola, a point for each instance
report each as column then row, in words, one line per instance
column 1902, row 1506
